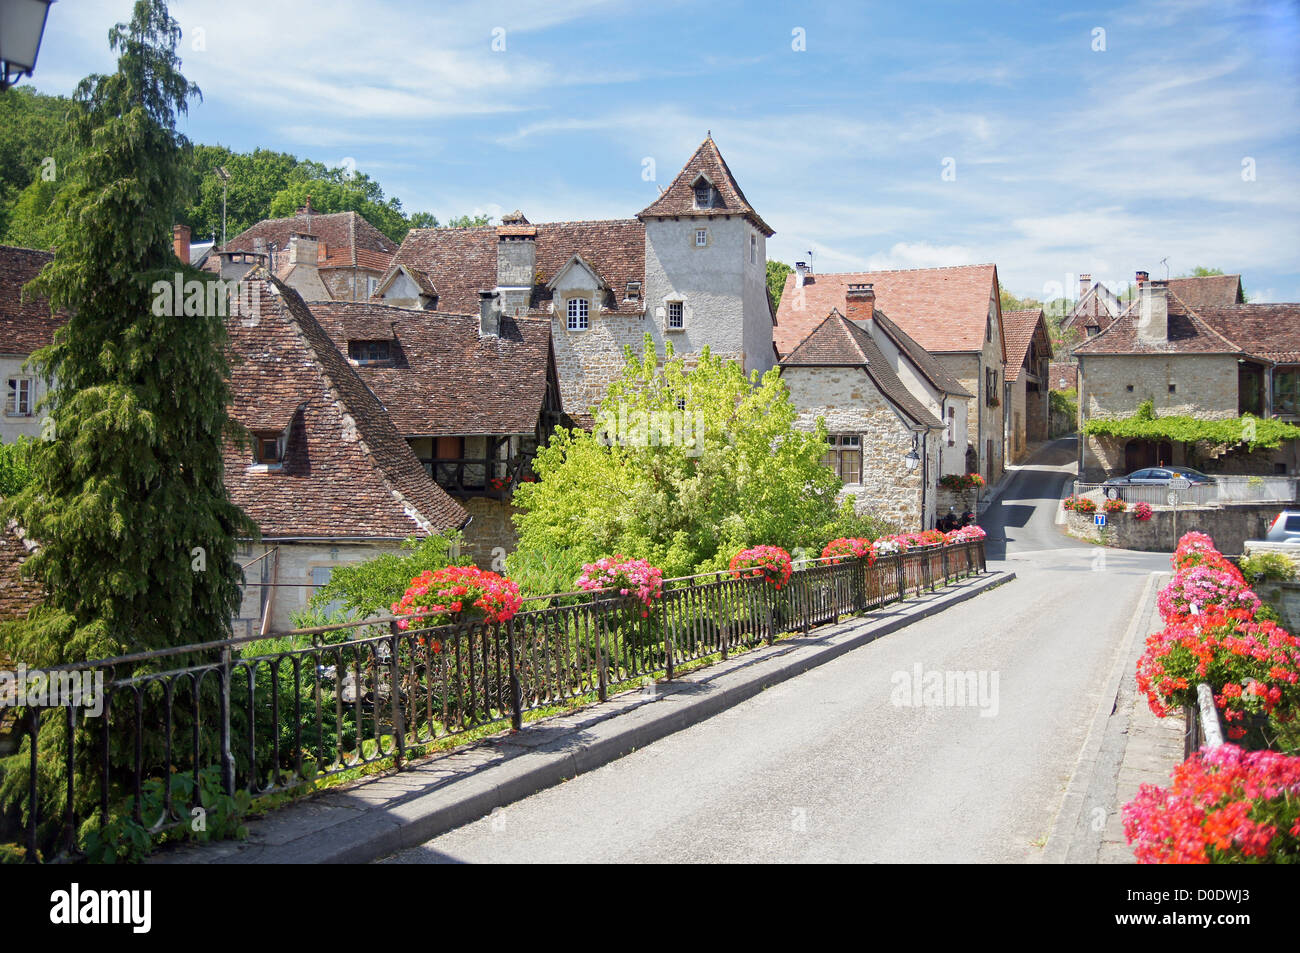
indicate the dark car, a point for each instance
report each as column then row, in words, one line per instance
column 1154, row 476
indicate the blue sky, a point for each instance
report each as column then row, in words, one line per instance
column 1068, row 158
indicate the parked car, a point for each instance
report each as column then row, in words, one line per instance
column 1286, row 528
column 1154, row 476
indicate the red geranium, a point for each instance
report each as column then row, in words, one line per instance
column 768, row 562
column 443, row 596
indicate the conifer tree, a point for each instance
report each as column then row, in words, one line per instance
column 136, row 530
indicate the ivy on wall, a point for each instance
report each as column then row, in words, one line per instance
column 1255, row 433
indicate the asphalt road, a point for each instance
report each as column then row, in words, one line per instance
column 841, row 763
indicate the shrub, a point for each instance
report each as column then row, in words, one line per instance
column 1084, row 505
column 456, row 593
column 1114, row 506
column 629, row 577
column 371, row 587
column 1259, row 566
column 1225, row 806
column 838, row 550
column 1206, row 588
column 1142, row 512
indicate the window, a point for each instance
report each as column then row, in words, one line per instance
column 675, row 317
column 18, row 398
column 320, row 576
column 1173, row 388
column 578, row 314
column 1286, row 392
column 701, row 237
column 268, row 447
column 753, row 249
column 369, row 352
column 633, row 291
column 371, row 285
column 703, row 195
column 681, row 403
column 845, row 457
column 1128, row 388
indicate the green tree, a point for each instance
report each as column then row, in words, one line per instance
column 470, row 221
column 776, row 272
column 737, row 473
column 1011, row 303
column 137, row 532
column 422, row 220
column 32, row 152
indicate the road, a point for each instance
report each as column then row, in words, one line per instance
column 827, row 767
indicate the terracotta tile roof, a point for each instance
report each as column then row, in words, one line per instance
column 421, row 279
column 678, row 200
column 1099, row 307
column 1187, row 334
column 446, row 379
column 1020, row 329
column 25, row 325
column 347, row 240
column 945, row 310
column 838, row 342
column 1268, row 331
column 931, row 368
column 461, row 262
column 348, row 473
column 1208, row 291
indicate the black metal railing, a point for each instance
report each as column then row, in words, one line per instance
column 266, row 714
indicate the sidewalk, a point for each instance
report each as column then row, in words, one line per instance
column 1127, row 747
column 377, row 816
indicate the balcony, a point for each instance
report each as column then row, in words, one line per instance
column 469, row 477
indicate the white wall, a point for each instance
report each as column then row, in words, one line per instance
column 13, row 427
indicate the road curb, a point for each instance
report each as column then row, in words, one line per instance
column 1062, row 837
column 375, row 817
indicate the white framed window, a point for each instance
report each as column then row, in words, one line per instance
column 371, row 285
column 579, row 314
column 20, row 397
column 676, row 316
column 753, row 249
column 701, row 237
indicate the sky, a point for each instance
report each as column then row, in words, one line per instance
column 1049, row 139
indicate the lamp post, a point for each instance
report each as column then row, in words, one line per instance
column 224, row 176
column 22, row 24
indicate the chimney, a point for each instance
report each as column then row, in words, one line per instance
column 861, row 301
column 303, row 250
column 1153, row 311
column 1085, row 285
column 489, row 315
column 181, row 242
column 516, row 263
column 1141, row 278
column 801, row 273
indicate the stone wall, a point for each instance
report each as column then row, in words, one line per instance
column 490, row 536
column 850, row 404
column 1204, row 385
column 18, row 595
column 1230, row 526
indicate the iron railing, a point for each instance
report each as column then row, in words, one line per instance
column 1224, row 489
column 267, row 714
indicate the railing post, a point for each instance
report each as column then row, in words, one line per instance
column 670, row 637
column 944, row 550
column 516, row 694
column 902, row 577
column 602, row 684
column 395, row 676
column 227, row 760
column 770, row 596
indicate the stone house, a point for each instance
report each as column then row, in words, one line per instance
column 839, row 374
column 1207, row 361
column 1097, row 306
column 328, row 478
column 474, row 397
column 1029, row 351
column 338, row 256
column 25, row 326
column 955, row 314
column 690, row 268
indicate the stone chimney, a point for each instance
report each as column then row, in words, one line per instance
column 181, row 242
column 303, row 250
column 489, row 314
column 516, row 263
column 1141, row 278
column 1153, row 312
column 1085, row 285
column 861, row 301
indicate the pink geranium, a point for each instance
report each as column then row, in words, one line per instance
column 634, row 578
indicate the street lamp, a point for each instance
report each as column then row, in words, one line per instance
column 913, row 460
column 224, row 176
column 22, row 24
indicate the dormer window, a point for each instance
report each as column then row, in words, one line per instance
column 703, row 194
column 579, row 319
column 369, row 352
column 268, row 447
column 634, row 291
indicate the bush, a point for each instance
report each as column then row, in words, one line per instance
column 1114, row 506
column 15, row 465
column 1259, row 566
column 371, row 587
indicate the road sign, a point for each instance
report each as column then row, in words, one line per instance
column 1172, row 498
column 1099, row 519
column 1180, row 483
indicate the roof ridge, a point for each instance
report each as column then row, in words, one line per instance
column 1205, row 325
column 896, row 271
